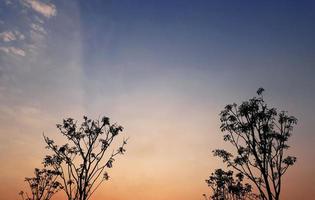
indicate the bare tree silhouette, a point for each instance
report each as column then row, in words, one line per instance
column 225, row 187
column 43, row 185
column 259, row 135
column 83, row 160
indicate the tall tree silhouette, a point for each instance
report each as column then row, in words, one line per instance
column 225, row 186
column 43, row 185
column 259, row 135
column 82, row 161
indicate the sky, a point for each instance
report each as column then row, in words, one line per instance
column 163, row 70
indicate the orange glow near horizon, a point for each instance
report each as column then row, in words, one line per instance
column 168, row 156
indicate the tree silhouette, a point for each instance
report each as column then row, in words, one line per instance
column 43, row 185
column 259, row 135
column 225, row 187
column 83, row 160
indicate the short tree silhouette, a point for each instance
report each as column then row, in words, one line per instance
column 43, row 185
column 260, row 135
column 225, row 187
column 83, row 160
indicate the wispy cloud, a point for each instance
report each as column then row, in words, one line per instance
column 13, row 50
column 7, row 36
column 33, row 72
column 25, row 36
column 46, row 9
column 38, row 28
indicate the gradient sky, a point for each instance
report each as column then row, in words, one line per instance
column 163, row 70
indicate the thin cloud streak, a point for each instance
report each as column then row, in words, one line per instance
column 26, row 36
column 13, row 50
column 46, row 9
column 7, row 36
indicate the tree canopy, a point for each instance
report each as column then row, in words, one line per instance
column 83, row 159
column 259, row 135
column 43, row 185
column 226, row 186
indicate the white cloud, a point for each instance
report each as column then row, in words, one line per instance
column 7, row 36
column 17, row 51
column 19, row 35
column 38, row 19
column 38, row 28
column 8, row 2
column 46, row 9
column 19, row 40
column 13, row 50
column 5, row 49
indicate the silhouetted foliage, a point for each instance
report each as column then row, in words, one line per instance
column 82, row 161
column 225, row 187
column 43, row 185
column 260, row 135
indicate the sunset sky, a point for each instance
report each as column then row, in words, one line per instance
column 163, row 70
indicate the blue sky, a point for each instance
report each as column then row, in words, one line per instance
column 162, row 69
column 150, row 39
column 200, row 33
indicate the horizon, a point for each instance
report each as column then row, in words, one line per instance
column 163, row 70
